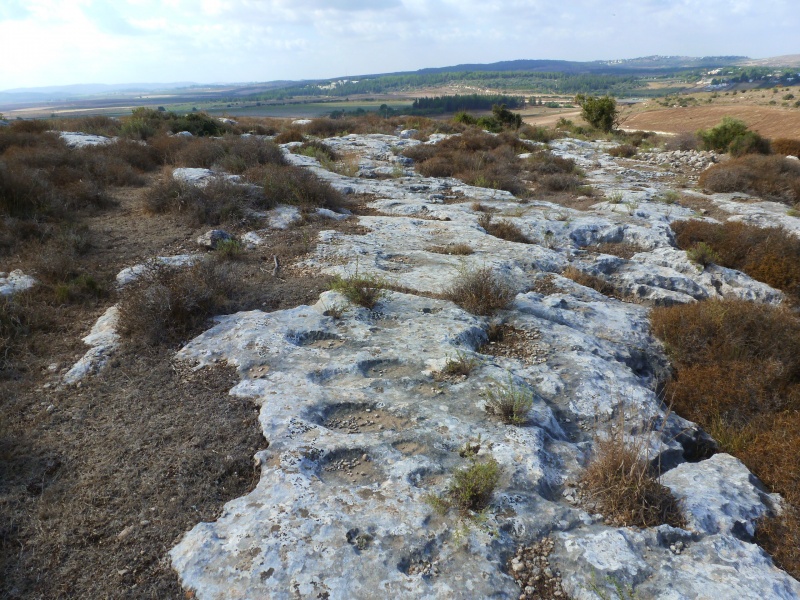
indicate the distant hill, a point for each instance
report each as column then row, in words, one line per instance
column 631, row 65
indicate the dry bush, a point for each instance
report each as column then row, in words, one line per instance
column 538, row 134
column 476, row 158
column 220, row 201
column 561, row 182
column 13, row 325
column 503, row 229
column 167, row 304
column 480, row 291
column 591, row 281
column 624, row 487
column 293, row 185
column 786, row 147
column 623, row 151
column 771, row 177
column 289, row 135
column 682, row 141
column 737, row 374
column 94, row 125
column 553, row 173
column 771, row 255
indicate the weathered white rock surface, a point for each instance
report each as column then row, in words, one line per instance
column 103, row 339
column 359, row 433
column 16, row 281
column 78, row 139
column 720, row 495
column 211, row 238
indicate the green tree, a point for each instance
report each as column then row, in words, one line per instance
column 600, row 112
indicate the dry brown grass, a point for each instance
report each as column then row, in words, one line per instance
column 786, row 147
column 220, row 201
column 771, row 255
column 623, row 486
column 624, row 250
column 452, row 249
column 770, row 177
column 623, row 151
column 591, row 281
column 737, row 374
column 503, row 229
column 166, row 304
column 480, row 291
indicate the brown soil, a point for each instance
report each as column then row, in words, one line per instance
column 98, row 481
column 769, row 122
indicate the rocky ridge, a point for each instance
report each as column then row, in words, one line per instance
column 360, row 433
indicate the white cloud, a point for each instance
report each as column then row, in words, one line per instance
column 66, row 41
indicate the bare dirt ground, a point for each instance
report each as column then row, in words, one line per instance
column 98, row 481
column 768, row 121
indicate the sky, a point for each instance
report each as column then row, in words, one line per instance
column 60, row 42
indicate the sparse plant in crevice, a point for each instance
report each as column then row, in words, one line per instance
column 588, row 280
column 364, row 290
column 509, row 401
column 480, row 291
column 622, row 484
column 702, row 254
column 471, row 488
column 462, row 365
column 230, row 249
column 452, row 249
column 503, row 229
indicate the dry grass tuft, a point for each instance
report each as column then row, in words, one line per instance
column 510, row 402
column 591, row 281
column 480, row 291
column 624, row 250
column 503, row 229
column 786, row 147
column 623, row 151
column 624, row 487
column 452, row 249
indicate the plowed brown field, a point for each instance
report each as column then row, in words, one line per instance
column 769, row 122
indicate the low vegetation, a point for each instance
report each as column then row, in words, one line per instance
column 452, row 249
column 733, row 136
column 363, row 290
column 771, row 255
column 471, row 489
column 480, row 291
column 503, row 229
column 598, row 284
column 737, row 374
column 786, row 147
column 166, row 304
column 509, row 401
column 771, row 177
column 623, row 485
column 476, row 158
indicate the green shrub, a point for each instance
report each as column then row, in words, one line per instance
column 732, row 135
column 599, row 112
column 702, row 254
column 510, row 402
column 364, row 290
column 472, row 488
